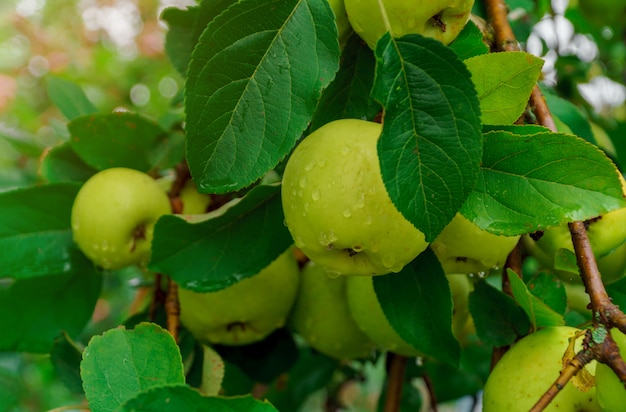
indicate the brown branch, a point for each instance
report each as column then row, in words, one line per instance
column 432, row 398
column 497, row 13
column 158, row 298
column 172, row 308
column 608, row 352
column 395, row 382
column 513, row 262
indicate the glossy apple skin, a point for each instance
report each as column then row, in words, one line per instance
column 336, row 205
column 321, row 316
column 369, row 316
column 611, row 392
column 114, row 214
column 529, row 368
column 607, row 235
column 409, row 17
column 245, row 312
column 341, row 18
column 462, row 247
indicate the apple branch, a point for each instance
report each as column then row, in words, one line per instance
column 395, row 382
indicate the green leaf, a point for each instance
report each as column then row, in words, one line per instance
column 44, row 306
column 36, row 240
column 69, row 98
column 62, row 164
column 66, row 357
column 120, row 364
column 348, row 96
column 498, row 319
column 430, row 146
column 418, row 299
column 179, row 40
column 569, row 114
column 119, row 139
column 177, row 398
column 205, row 254
column 263, row 361
column 311, row 373
column 254, row 81
column 212, row 371
column 504, row 82
column 185, row 28
column 469, row 42
column 617, row 292
column 539, row 313
column 531, row 182
column 550, row 290
column 22, row 141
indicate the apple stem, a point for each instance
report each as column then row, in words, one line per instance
column 395, row 382
column 172, row 308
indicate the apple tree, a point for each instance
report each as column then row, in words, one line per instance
column 380, row 196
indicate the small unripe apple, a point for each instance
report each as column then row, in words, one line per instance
column 463, row 247
column 440, row 19
column 245, row 312
column 194, row 203
column 114, row 214
column 321, row 316
column 336, row 205
column 607, row 233
column 530, row 367
column 370, row 317
column 611, row 391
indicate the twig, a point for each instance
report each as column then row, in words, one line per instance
column 432, row 398
column 395, row 382
column 604, row 310
column 172, row 308
column 513, row 262
column 158, row 297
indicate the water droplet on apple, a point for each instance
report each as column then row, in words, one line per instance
column 360, row 203
column 388, row 261
column 368, row 220
column 345, row 151
column 309, row 167
column 322, row 163
column 333, row 274
column 302, row 182
column 315, row 195
column 299, row 242
column 105, row 246
column 347, row 213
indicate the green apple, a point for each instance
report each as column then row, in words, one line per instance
column 607, row 233
column 194, row 203
column 369, row 316
column 245, row 312
column 530, row 367
column 114, row 214
column 577, row 298
column 463, row 247
column 440, row 19
column 611, row 392
column 336, row 205
column 341, row 18
column 321, row 316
